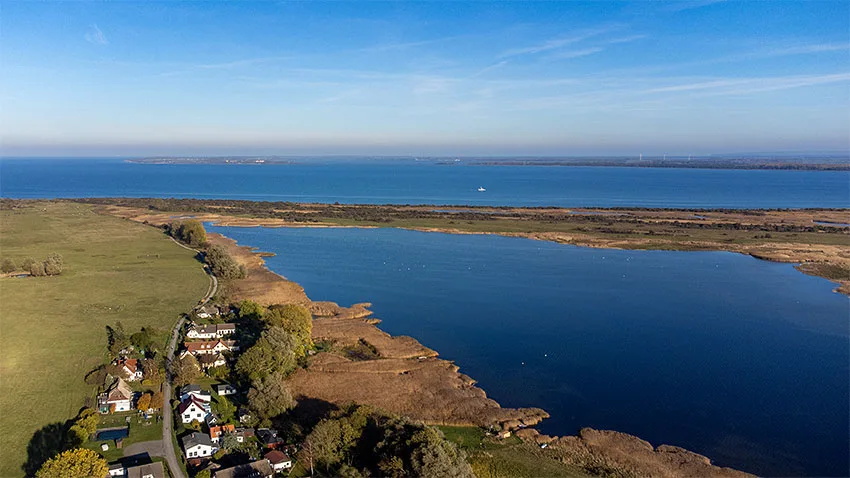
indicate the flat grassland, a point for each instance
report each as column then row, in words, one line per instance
column 53, row 328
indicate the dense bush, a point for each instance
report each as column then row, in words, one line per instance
column 359, row 441
column 8, row 266
column 222, row 264
column 191, row 232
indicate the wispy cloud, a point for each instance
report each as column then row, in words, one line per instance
column 810, row 49
column 564, row 55
column 96, row 36
column 682, row 5
column 626, row 39
column 240, row 63
column 403, row 45
column 555, row 43
column 739, row 86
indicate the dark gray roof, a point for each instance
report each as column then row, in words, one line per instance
column 196, row 439
column 191, row 388
column 259, row 468
column 154, row 469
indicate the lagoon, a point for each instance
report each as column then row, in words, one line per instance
column 739, row 359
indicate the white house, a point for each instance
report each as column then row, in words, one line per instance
column 193, row 409
column 214, row 331
column 279, row 460
column 117, row 398
column 225, row 389
column 116, row 469
column 210, row 347
column 207, row 361
column 132, row 368
column 195, row 391
column 198, row 445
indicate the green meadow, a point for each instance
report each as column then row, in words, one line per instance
column 53, row 328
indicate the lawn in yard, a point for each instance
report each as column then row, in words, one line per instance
column 53, row 328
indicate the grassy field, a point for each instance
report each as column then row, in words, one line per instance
column 140, row 431
column 53, row 328
column 491, row 458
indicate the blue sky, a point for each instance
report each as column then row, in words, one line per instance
column 497, row 78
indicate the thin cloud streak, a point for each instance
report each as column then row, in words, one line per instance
column 95, row 36
column 565, row 55
column 554, row 43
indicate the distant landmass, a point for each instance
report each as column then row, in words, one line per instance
column 785, row 161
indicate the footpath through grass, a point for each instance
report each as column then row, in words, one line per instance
column 53, row 328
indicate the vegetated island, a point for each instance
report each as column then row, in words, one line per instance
column 817, row 240
column 777, row 162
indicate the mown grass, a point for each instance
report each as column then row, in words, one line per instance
column 53, row 328
column 491, row 457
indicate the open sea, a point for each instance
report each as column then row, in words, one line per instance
column 742, row 360
column 409, row 182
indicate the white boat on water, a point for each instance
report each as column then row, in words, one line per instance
column 481, row 189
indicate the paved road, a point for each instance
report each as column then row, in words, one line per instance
column 167, row 416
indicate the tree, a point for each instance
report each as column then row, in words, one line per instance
column 142, row 339
column 157, row 400
column 36, row 269
column 191, row 232
column 152, row 372
column 53, row 264
column 76, row 463
column 250, row 310
column 116, row 338
column 270, row 397
column 222, row 264
column 88, row 419
column 77, row 435
column 293, row 318
column 275, row 351
column 27, row 264
column 144, row 402
column 8, row 265
column 230, row 442
column 185, row 370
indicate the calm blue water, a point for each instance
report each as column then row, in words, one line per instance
column 742, row 360
column 417, row 183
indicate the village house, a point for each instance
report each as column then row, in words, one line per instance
column 216, row 432
column 150, row 470
column 268, row 437
column 193, row 409
column 198, row 445
column 243, row 434
column 225, row 389
column 210, row 347
column 208, row 361
column 244, row 415
column 280, row 461
column 195, row 391
column 213, row 331
column 132, row 369
column 256, row 469
column 117, row 398
column 116, row 469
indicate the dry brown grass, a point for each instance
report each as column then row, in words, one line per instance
column 407, row 379
column 610, row 453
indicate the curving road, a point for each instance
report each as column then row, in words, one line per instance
column 167, row 414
